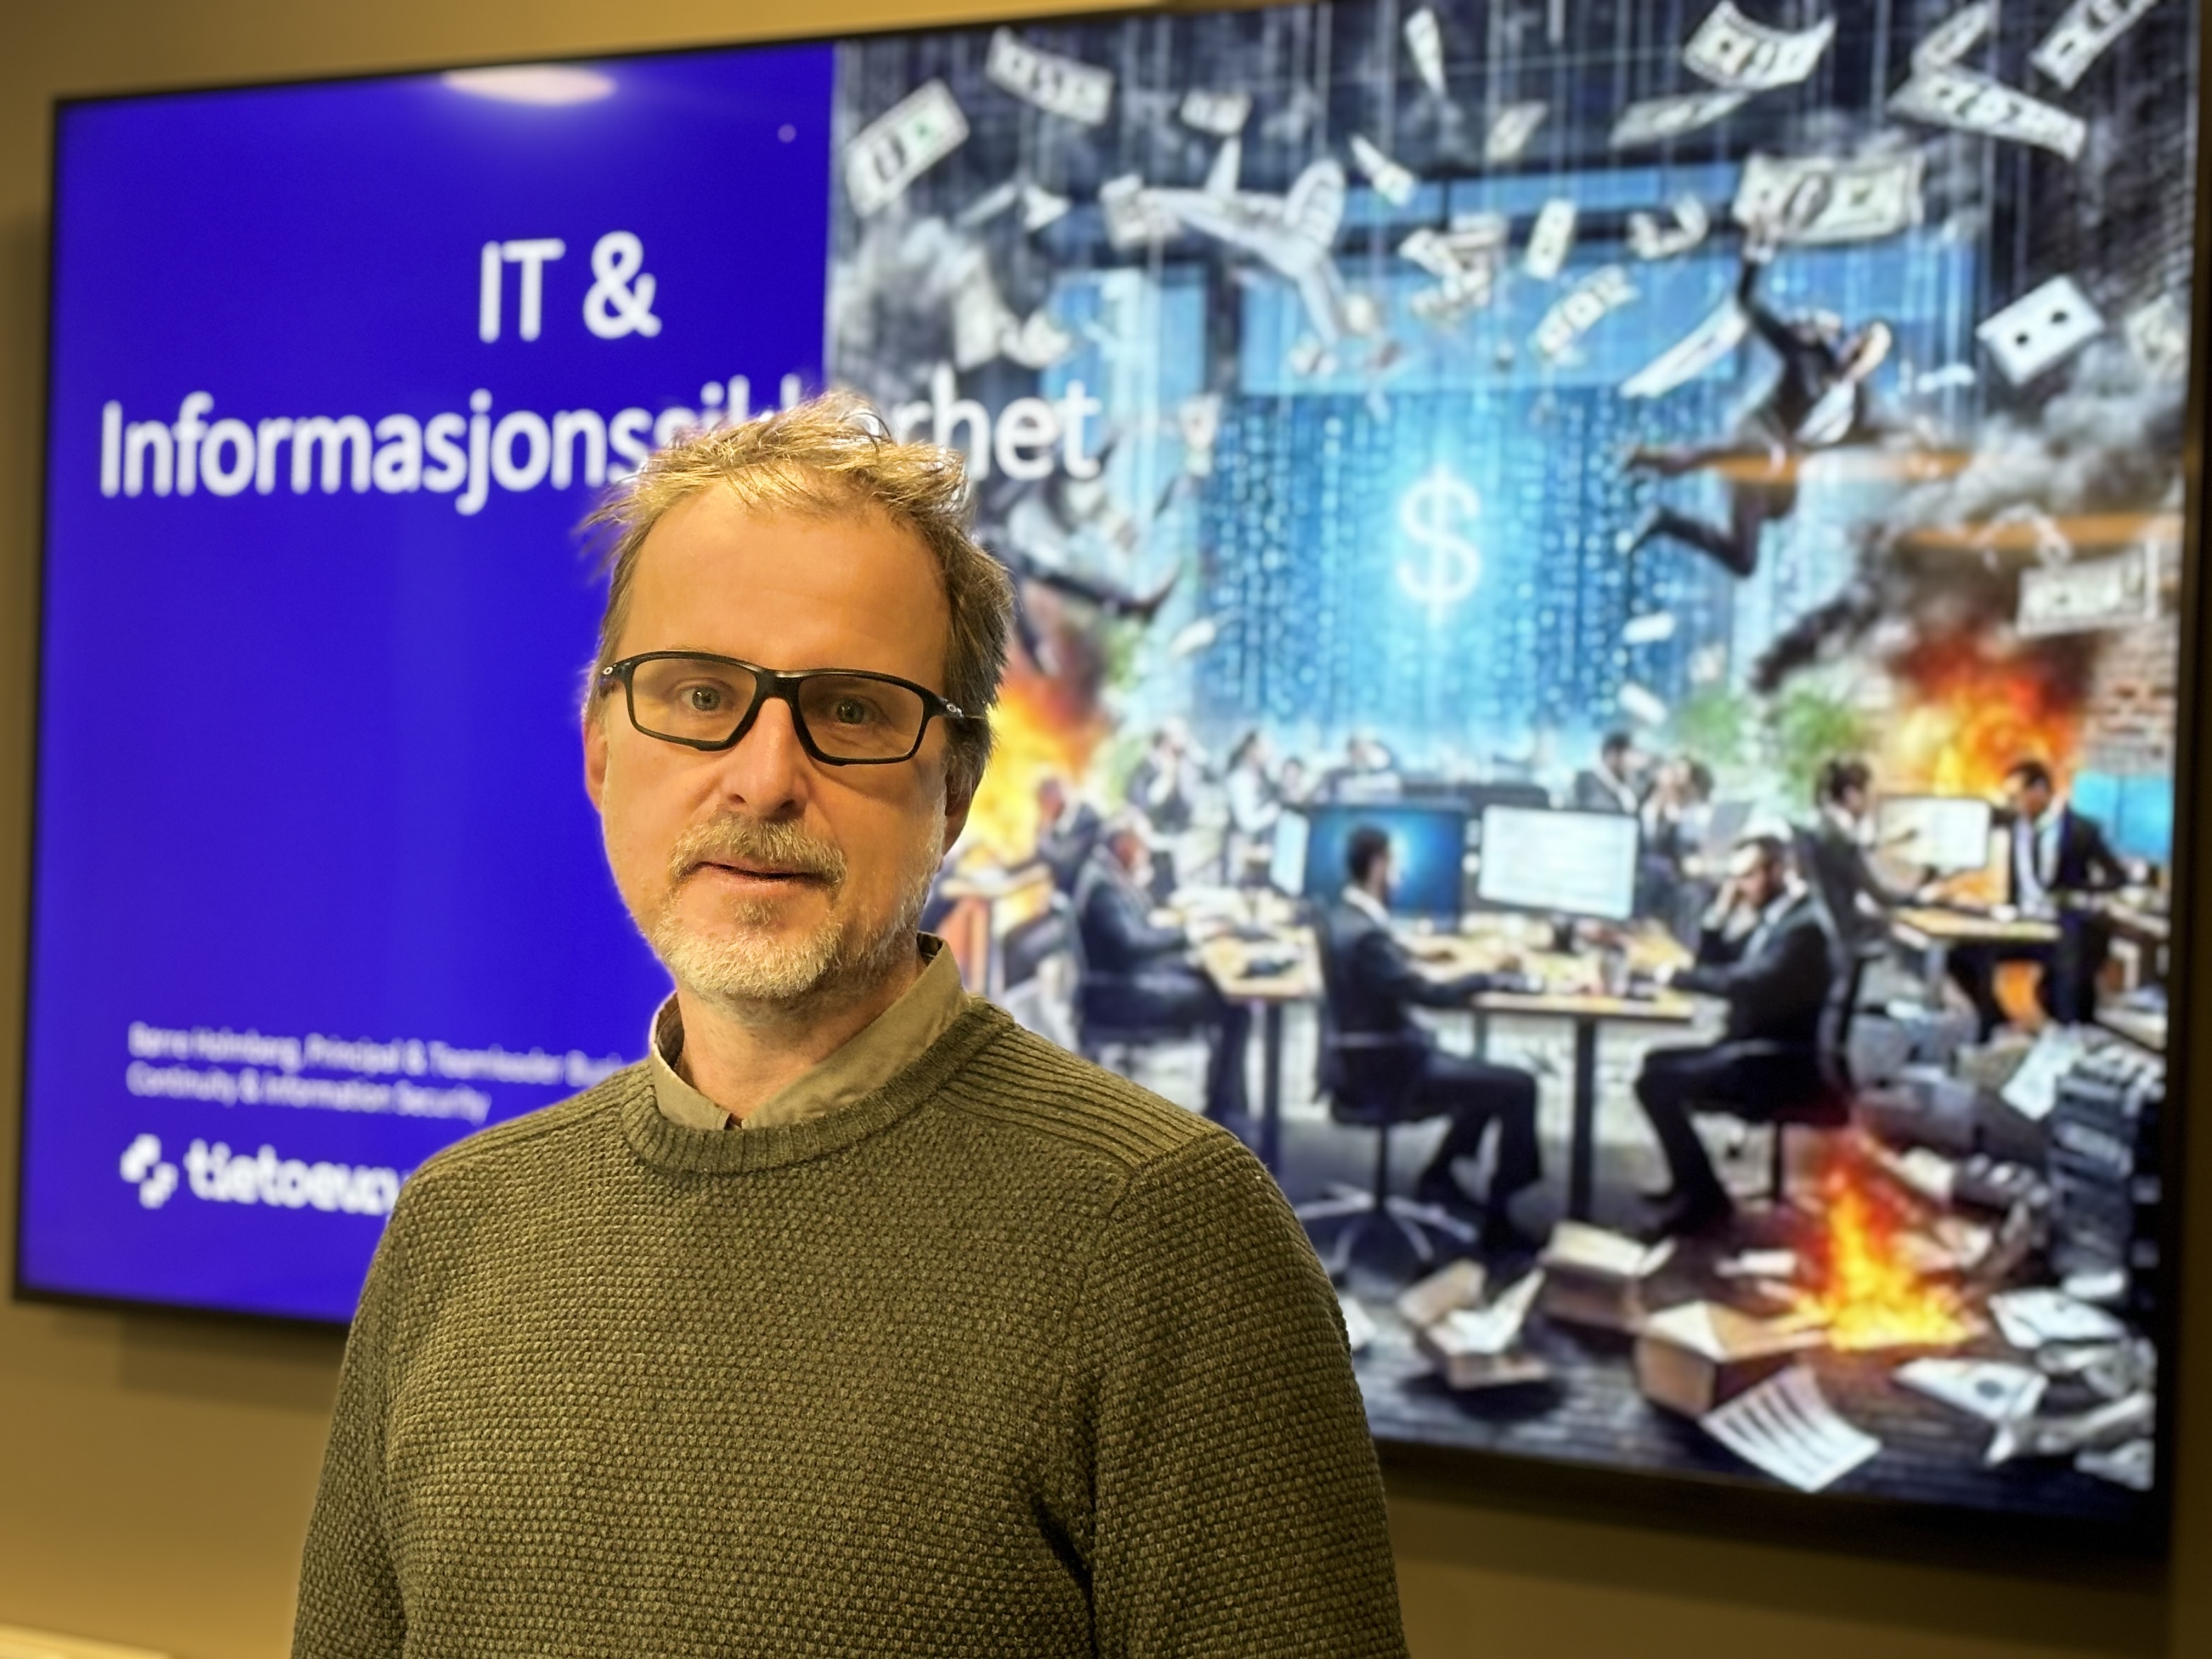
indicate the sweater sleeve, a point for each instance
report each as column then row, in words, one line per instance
column 350, row 1602
column 1236, row 1507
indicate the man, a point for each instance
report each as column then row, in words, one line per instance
column 1372, row 983
column 1165, row 785
column 1766, row 953
column 2054, row 857
column 1819, row 401
column 1615, row 783
column 854, row 1320
column 1842, row 871
column 1137, row 976
column 1067, row 831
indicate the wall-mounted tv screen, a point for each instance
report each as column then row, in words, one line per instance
column 1726, row 416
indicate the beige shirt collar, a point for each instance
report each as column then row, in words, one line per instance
column 883, row 1048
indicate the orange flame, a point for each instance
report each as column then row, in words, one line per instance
column 1968, row 715
column 1040, row 733
column 1868, row 1296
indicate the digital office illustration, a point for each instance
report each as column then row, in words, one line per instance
column 1663, row 531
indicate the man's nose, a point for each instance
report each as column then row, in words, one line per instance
column 768, row 768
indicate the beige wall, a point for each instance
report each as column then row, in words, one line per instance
column 155, row 1473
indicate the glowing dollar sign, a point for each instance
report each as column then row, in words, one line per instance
column 1427, row 513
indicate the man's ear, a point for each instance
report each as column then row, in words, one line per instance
column 595, row 753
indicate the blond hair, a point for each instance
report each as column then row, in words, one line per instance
column 830, row 456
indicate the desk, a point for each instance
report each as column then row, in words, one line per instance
column 1933, row 933
column 1228, row 962
column 1586, row 1011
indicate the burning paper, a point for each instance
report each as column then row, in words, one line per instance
column 1731, row 51
column 2158, row 333
column 1641, row 704
column 1359, row 1323
column 2132, row 1464
column 1133, row 218
column 898, row 147
column 1974, row 103
column 1393, row 184
column 1550, row 239
column 1604, row 290
column 1647, row 630
column 2119, row 592
column 1650, row 240
column 1867, row 1292
column 1654, row 121
column 1786, row 1428
column 2029, row 1318
column 1988, row 1388
column 1424, row 40
column 1702, row 349
column 1816, row 199
column 1221, row 114
column 2041, row 330
column 2080, row 37
column 1461, row 1284
column 1954, row 37
column 1056, row 85
column 1511, row 130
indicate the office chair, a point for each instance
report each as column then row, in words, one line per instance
column 1391, row 1065
column 1094, row 1039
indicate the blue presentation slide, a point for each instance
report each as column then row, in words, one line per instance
column 338, row 371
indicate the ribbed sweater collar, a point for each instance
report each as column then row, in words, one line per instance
column 671, row 1146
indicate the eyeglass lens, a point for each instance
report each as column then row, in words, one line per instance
column 847, row 716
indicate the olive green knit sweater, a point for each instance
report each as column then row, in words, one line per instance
column 1010, row 1357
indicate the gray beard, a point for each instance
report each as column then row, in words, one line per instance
column 752, row 975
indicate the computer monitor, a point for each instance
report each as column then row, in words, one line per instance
column 1575, row 864
column 1286, row 861
column 1946, row 834
column 1428, row 849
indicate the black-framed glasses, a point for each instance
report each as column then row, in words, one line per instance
column 843, row 716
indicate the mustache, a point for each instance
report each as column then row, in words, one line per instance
column 733, row 839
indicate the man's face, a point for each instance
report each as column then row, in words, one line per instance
column 2029, row 799
column 1758, row 878
column 759, row 874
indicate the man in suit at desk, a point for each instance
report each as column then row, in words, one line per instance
column 2054, row 857
column 1138, row 976
column 1372, row 982
column 1764, row 950
column 1615, row 784
column 1843, row 870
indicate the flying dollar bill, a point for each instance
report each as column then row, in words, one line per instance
column 2041, row 330
column 1968, row 102
column 1731, row 51
column 1133, row 218
column 1650, row 629
column 1040, row 207
column 2119, row 592
column 1510, row 131
column 1819, row 199
column 1605, row 289
column 1700, row 349
column 1056, row 85
column 1550, row 239
column 1464, row 261
column 2158, row 333
column 1648, row 239
column 1654, row 121
column 1641, row 703
column 1392, row 182
column 1221, row 114
column 1956, row 36
column 2080, row 37
column 901, row 144
column 1425, row 39
column 1037, row 342
column 981, row 321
